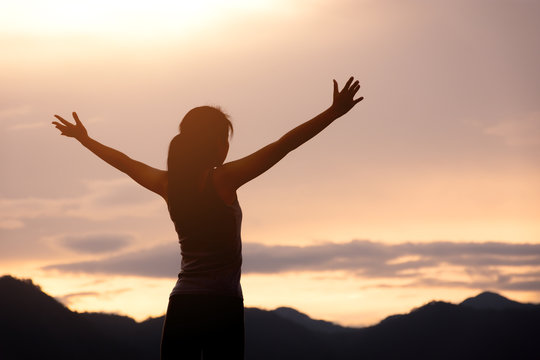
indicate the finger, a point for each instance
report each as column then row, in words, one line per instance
column 348, row 83
column 60, row 127
column 65, row 122
column 358, row 100
column 336, row 90
column 355, row 88
column 57, row 124
column 76, row 117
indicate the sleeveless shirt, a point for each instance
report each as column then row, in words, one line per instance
column 210, row 244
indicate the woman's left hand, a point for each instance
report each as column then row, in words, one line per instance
column 77, row 131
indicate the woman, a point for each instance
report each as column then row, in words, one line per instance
column 205, row 316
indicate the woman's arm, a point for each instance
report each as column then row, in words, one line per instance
column 153, row 179
column 236, row 173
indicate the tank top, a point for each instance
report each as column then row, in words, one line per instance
column 210, row 244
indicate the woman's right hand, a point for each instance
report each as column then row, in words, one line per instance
column 344, row 100
column 77, row 131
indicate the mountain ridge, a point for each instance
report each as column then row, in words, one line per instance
column 488, row 300
column 34, row 325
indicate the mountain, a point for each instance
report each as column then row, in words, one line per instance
column 34, row 325
column 307, row 322
column 492, row 301
column 440, row 330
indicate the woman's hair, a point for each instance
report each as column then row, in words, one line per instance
column 203, row 132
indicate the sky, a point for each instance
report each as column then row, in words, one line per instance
column 428, row 189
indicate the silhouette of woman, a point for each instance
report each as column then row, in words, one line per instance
column 205, row 315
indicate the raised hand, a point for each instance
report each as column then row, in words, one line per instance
column 344, row 100
column 77, row 130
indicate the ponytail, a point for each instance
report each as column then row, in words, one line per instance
column 193, row 151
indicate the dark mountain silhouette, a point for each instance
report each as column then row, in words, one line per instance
column 492, row 301
column 307, row 322
column 34, row 325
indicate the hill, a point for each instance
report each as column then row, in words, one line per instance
column 492, row 301
column 34, row 325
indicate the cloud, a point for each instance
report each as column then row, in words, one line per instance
column 11, row 224
column 95, row 243
column 13, row 112
column 161, row 261
column 377, row 259
column 519, row 132
column 17, row 118
column 495, row 265
column 67, row 299
column 500, row 283
column 30, row 126
column 103, row 200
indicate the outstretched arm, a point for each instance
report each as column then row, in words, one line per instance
column 237, row 173
column 147, row 176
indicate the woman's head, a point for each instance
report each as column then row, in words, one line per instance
column 209, row 128
column 206, row 120
column 203, row 141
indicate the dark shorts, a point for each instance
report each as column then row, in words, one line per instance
column 201, row 326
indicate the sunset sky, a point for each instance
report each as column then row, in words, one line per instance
column 428, row 189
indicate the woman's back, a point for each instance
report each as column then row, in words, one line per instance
column 210, row 242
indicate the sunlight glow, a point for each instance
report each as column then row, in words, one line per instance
column 124, row 18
